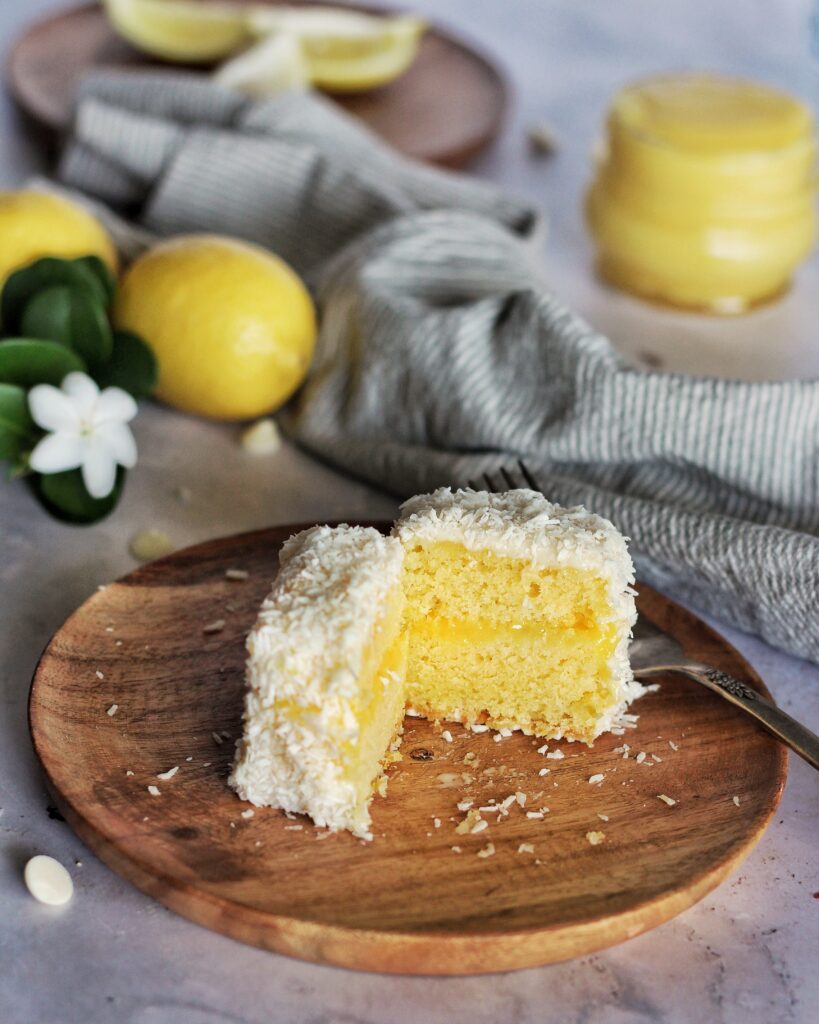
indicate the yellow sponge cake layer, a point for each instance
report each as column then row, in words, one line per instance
column 518, row 612
column 325, row 676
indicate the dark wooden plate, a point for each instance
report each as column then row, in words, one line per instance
column 445, row 109
column 407, row 902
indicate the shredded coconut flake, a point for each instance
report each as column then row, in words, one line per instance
column 446, row 735
column 526, row 848
column 248, row 813
column 556, row 755
column 735, row 799
column 595, row 780
column 237, row 575
column 214, row 627
column 666, row 799
column 153, row 790
column 487, row 851
column 169, row 774
column 112, row 710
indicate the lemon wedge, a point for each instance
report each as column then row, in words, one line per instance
column 274, row 64
column 181, row 30
column 345, row 51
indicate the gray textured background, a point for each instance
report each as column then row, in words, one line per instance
column 745, row 954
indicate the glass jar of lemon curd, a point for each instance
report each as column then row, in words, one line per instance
column 704, row 195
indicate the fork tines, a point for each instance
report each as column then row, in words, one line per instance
column 505, row 480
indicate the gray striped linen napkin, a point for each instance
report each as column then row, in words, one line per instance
column 441, row 355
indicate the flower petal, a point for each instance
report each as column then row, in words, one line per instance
column 82, row 391
column 115, row 404
column 57, row 452
column 120, row 441
column 51, row 409
column 99, row 467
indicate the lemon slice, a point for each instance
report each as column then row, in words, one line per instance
column 181, row 30
column 274, row 64
column 346, row 51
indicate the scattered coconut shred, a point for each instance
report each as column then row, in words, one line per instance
column 169, row 774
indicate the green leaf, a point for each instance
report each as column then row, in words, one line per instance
column 103, row 274
column 23, row 284
column 26, row 361
column 68, row 315
column 132, row 367
column 16, row 425
column 65, row 497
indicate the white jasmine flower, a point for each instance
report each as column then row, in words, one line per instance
column 88, row 430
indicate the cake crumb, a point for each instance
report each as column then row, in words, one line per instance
column 146, row 545
column 472, row 819
column 735, row 800
column 487, row 851
column 248, row 813
column 469, row 756
column 262, row 438
column 112, row 710
column 214, row 627
column 596, row 779
column 169, row 774
column 595, row 838
column 153, row 790
column 446, row 735
column 666, row 799
column 542, row 140
column 526, row 848
column 237, row 575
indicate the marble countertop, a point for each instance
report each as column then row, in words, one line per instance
column 746, row 953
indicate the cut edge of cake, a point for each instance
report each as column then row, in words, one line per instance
column 523, row 524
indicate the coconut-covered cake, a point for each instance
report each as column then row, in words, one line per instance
column 325, row 678
column 498, row 609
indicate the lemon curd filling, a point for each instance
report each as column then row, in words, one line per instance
column 704, row 195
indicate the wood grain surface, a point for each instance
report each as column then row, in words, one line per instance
column 405, row 903
column 445, row 109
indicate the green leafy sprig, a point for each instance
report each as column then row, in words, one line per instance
column 54, row 319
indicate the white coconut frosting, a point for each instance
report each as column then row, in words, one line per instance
column 523, row 524
column 305, row 657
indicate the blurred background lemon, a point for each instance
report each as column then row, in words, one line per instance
column 232, row 326
column 35, row 224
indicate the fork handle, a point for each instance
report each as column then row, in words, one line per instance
column 800, row 739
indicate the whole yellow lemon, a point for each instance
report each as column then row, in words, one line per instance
column 232, row 326
column 35, row 224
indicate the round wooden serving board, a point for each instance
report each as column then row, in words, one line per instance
column 406, row 902
column 445, row 109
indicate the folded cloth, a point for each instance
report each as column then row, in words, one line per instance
column 441, row 355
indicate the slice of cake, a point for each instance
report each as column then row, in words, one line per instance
column 519, row 613
column 325, row 678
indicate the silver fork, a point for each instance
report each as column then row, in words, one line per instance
column 654, row 652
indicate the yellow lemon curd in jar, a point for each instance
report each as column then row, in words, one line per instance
column 704, row 195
